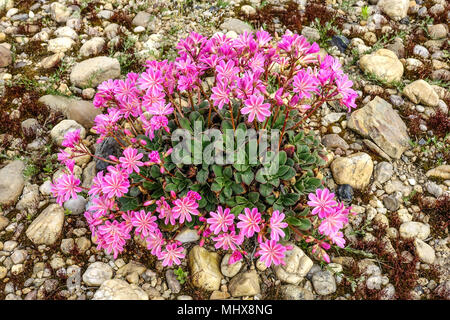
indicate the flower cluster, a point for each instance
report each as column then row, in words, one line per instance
column 251, row 76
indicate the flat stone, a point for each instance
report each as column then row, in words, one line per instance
column 378, row 120
column 92, row 47
column 5, row 56
column 384, row 64
column 205, row 271
column 291, row 292
column 354, row 170
column 324, row 283
column 442, row 172
column 116, row 289
column 59, row 131
column 11, row 182
column 187, row 235
column 413, row 229
column 383, row 172
column 420, row 91
column 142, row 19
column 61, row 44
column 236, row 25
column 83, row 112
column 334, row 141
column 47, row 227
column 97, row 273
column 438, row 31
column 424, row 251
column 230, row 270
column 92, row 72
column 245, row 284
column 297, row 266
column 395, row 9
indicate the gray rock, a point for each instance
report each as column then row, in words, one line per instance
column 297, row 266
column 236, row 25
column 324, row 283
column 391, row 203
column 334, row 141
column 187, row 235
column 395, row 9
column 383, row 172
column 60, row 13
column 92, row 72
column 11, row 182
column 291, row 292
column 97, row 273
column 76, row 206
column 172, row 281
column 413, row 229
column 245, row 284
column 92, row 47
column 378, row 121
column 19, row 256
column 230, row 270
column 421, row 51
column 117, row 289
column 424, row 251
column 47, row 227
column 311, row 34
column 5, row 56
column 142, row 19
column 432, row 188
column 61, row 129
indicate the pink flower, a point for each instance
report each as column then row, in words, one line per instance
column 144, row 223
column 112, row 236
column 155, row 241
column 115, row 185
column 160, row 109
column 228, row 240
column 172, row 255
column 183, row 208
column 151, row 79
column 220, row 95
column 305, row 84
column 65, row 188
column 276, row 225
column 338, row 239
column 220, row 220
column 271, row 252
column 249, row 222
column 101, row 206
column 71, row 139
column 130, row 160
column 322, row 202
column 332, row 222
column 235, row 257
column 255, row 107
column 165, row 211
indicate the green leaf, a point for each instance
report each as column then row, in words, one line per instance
column 238, row 209
column 217, row 170
column 247, row 177
column 202, row 176
column 128, row 203
column 302, row 223
column 155, row 172
column 237, row 188
column 253, row 197
column 227, row 191
column 288, row 175
column 171, row 187
column 289, row 199
column 260, row 176
column 282, row 157
column 265, row 190
column 216, row 187
column 228, row 172
column 185, row 124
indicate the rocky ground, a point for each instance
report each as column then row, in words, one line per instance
column 389, row 158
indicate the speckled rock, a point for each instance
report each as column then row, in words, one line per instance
column 354, row 170
column 297, row 266
column 47, row 227
column 245, row 284
column 205, row 269
column 117, row 289
column 11, row 182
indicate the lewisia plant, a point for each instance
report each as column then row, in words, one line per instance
column 250, row 79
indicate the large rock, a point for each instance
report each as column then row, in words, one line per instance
column 297, row 266
column 354, row 170
column 47, row 227
column 324, row 283
column 245, row 284
column 205, row 269
column 59, row 131
column 5, row 56
column 92, row 47
column 384, row 64
column 413, row 229
column 395, row 9
column 236, row 25
column 117, row 289
column 442, row 172
column 59, row 45
column 230, row 270
column 291, row 292
column 97, row 273
column 378, row 120
column 92, row 72
column 60, row 13
column 424, row 251
column 83, row 112
column 420, row 91
column 11, row 182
